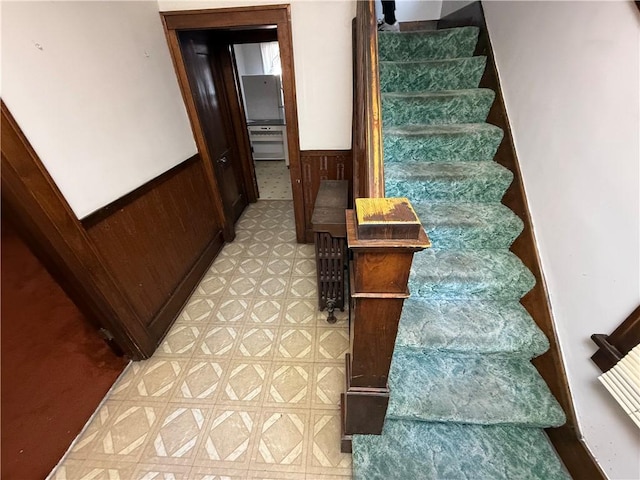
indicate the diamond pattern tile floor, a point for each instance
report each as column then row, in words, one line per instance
column 274, row 182
column 245, row 385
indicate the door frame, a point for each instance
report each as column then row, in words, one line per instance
column 249, row 18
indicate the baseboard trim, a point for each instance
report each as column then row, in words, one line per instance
column 418, row 25
column 178, row 299
column 574, row 453
column 567, row 439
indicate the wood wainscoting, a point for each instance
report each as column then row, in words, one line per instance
column 320, row 165
column 129, row 267
column 158, row 241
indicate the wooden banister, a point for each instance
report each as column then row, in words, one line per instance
column 368, row 173
column 382, row 234
column 615, row 346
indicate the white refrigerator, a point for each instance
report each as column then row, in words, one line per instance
column 263, row 97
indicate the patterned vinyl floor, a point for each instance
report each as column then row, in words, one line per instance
column 245, row 385
column 274, row 182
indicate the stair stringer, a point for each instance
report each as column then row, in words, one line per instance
column 567, row 439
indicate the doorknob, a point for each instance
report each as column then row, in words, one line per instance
column 223, row 160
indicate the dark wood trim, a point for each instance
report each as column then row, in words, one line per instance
column 612, row 348
column 101, row 214
column 248, row 18
column 575, row 455
column 11, row 212
column 285, row 41
column 565, row 439
column 325, row 153
column 239, row 119
column 224, row 17
column 229, row 100
column 255, row 35
column 607, row 355
column 131, row 266
column 627, row 335
column 418, row 25
column 379, row 275
column 196, row 127
column 58, row 236
column 185, row 288
column 151, row 245
column 368, row 168
column 550, row 364
column 318, row 165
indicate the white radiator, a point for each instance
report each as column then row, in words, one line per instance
column 623, row 382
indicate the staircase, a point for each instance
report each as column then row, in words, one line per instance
column 466, row 402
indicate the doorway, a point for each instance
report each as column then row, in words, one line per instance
column 225, row 28
column 259, row 71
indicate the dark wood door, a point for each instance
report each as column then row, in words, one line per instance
column 201, row 58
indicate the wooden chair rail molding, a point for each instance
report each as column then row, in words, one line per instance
column 615, row 346
column 382, row 235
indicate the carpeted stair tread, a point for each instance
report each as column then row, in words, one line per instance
column 441, row 143
column 443, row 107
column 432, row 75
column 474, row 326
column 469, row 226
column 466, row 402
column 469, row 274
column 483, row 182
column 427, row 45
column 479, row 389
column 445, row 451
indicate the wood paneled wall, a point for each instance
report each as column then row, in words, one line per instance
column 320, row 165
column 132, row 265
column 153, row 238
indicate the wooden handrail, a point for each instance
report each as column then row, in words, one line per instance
column 368, row 177
column 382, row 234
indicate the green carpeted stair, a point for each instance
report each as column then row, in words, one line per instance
column 432, row 108
column 449, row 181
column 431, row 75
column 471, row 327
column 466, row 402
column 463, row 225
column 411, row 450
column 441, row 143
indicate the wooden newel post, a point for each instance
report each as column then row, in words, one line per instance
column 383, row 234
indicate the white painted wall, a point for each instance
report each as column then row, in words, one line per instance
column 249, row 59
column 248, row 62
column 570, row 74
column 450, row 6
column 413, row 10
column 93, row 88
column 322, row 57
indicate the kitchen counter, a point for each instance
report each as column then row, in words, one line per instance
column 253, row 123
